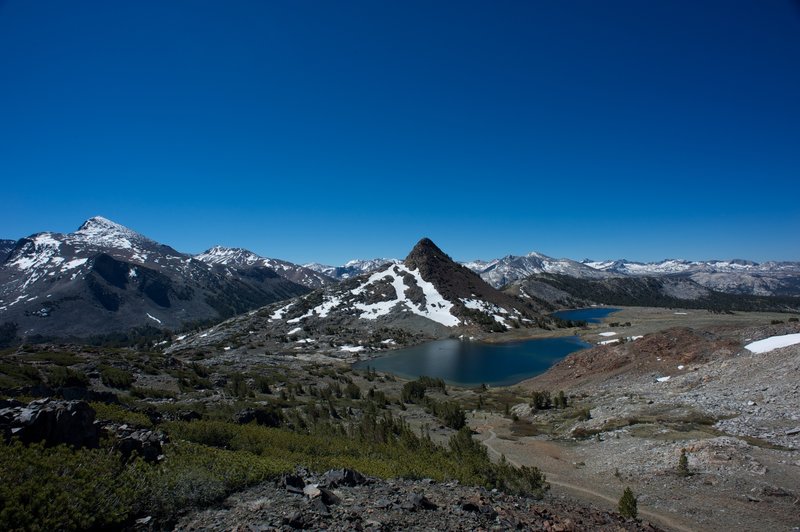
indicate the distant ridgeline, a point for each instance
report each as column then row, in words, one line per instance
column 108, row 284
column 668, row 291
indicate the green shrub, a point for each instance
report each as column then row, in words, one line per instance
column 18, row 375
column 237, row 386
column 541, row 400
column 120, row 414
column 450, row 413
column 59, row 359
column 61, row 376
column 59, row 488
column 414, row 391
column 352, row 391
column 116, row 378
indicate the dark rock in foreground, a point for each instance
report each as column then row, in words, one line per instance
column 53, row 422
column 335, row 501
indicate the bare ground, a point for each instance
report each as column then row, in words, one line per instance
column 737, row 414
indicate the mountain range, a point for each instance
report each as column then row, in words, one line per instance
column 427, row 295
column 351, row 269
column 242, row 258
column 729, row 276
column 105, row 278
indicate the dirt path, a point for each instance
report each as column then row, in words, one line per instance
column 580, row 491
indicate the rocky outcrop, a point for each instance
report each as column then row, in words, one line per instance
column 53, row 422
column 147, row 444
column 347, row 500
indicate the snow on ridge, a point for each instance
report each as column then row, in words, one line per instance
column 74, row 263
column 773, row 342
column 489, row 308
column 435, row 307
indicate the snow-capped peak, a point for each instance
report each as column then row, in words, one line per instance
column 103, row 232
column 229, row 256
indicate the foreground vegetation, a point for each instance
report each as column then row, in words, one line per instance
column 318, row 418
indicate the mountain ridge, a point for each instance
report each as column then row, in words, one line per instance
column 244, row 258
column 426, row 296
column 105, row 278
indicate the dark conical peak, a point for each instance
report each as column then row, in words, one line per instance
column 427, row 256
column 426, row 248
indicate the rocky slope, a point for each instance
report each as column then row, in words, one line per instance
column 731, row 276
column 324, row 502
column 5, row 248
column 734, row 412
column 242, row 259
column 664, row 291
column 106, row 278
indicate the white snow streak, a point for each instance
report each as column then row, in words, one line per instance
column 773, row 342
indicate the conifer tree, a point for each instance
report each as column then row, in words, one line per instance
column 683, row 464
column 627, row 504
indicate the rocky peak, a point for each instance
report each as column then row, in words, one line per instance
column 103, row 232
column 427, row 257
column 97, row 224
column 229, row 256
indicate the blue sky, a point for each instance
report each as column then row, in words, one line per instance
column 331, row 130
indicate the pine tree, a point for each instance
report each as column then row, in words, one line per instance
column 562, row 399
column 683, row 464
column 627, row 504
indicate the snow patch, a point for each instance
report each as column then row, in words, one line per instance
column 773, row 342
column 74, row 263
column 351, row 348
column 278, row 314
column 153, row 318
column 608, row 333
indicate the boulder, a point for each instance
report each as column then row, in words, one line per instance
column 344, row 477
column 51, row 421
column 268, row 418
column 147, row 444
column 418, row 501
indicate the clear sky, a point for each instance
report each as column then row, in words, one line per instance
column 324, row 131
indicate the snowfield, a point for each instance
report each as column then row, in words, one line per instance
column 773, row 342
column 435, row 307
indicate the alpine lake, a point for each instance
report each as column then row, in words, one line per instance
column 469, row 363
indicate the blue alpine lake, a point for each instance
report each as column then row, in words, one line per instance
column 589, row 315
column 467, row 363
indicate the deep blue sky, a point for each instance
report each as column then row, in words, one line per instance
column 332, row 130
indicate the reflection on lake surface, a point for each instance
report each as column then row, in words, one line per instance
column 472, row 363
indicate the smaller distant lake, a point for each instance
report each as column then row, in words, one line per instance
column 467, row 363
column 589, row 315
